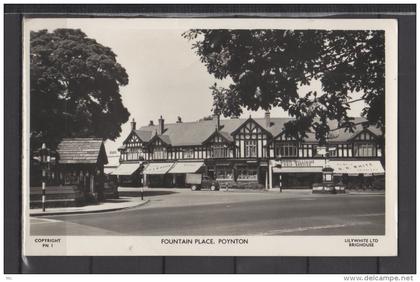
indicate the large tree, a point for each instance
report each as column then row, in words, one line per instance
column 74, row 88
column 267, row 67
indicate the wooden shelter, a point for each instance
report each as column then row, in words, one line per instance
column 81, row 162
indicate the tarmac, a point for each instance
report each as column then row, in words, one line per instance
column 132, row 199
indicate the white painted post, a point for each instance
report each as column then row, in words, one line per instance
column 280, row 183
column 43, row 194
column 270, row 176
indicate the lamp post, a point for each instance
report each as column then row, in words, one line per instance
column 45, row 159
column 141, row 192
column 141, row 186
column 278, row 165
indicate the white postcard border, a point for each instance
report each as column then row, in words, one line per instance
column 257, row 245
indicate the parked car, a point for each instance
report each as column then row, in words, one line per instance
column 197, row 181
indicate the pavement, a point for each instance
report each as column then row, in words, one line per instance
column 185, row 212
column 106, row 206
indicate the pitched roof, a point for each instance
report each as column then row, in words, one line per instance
column 226, row 136
column 144, row 135
column 195, row 133
column 81, row 150
column 343, row 134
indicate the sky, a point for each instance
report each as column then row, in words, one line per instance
column 166, row 77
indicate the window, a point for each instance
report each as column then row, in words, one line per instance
column 246, row 173
column 224, row 173
column 133, row 154
column 188, row 153
column 159, row 153
column 345, row 150
column 286, row 149
column 219, row 151
column 250, row 148
column 364, row 150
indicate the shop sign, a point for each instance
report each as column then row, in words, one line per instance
column 302, row 163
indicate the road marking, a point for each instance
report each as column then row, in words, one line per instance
column 319, row 227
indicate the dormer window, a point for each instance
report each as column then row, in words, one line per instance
column 133, row 154
column 364, row 150
column 219, row 151
column 159, row 153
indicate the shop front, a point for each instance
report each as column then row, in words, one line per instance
column 296, row 174
column 180, row 170
column 220, row 170
column 359, row 174
column 238, row 173
column 129, row 174
column 250, row 174
column 304, row 174
column 156, row 175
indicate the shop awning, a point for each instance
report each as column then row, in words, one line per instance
column 158, row 168
column 297, row 169
column 186, row 167
column 357, row 167
column 126, row 169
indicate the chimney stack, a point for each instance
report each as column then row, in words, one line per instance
column 151, row 123
column 133, row 124
column 179, row 120
column 161, row 125
column 216, row 118
column 267, row 119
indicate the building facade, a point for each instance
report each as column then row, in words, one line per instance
column 249, row 152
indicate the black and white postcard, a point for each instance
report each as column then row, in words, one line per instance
column 209, row 137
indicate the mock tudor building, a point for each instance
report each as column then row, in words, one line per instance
column 250, row 152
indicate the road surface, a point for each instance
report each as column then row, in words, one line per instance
column 229, row 213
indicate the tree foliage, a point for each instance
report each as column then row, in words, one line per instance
column 267, row 68
column 74, row 88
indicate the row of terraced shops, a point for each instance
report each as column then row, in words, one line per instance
column 247, row 153
column 290, row 173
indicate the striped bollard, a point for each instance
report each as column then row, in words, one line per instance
column 280, row 183
column 45, row 159
column 43, row 189
column 43, row 195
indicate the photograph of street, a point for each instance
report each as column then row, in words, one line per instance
column 174, row 131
